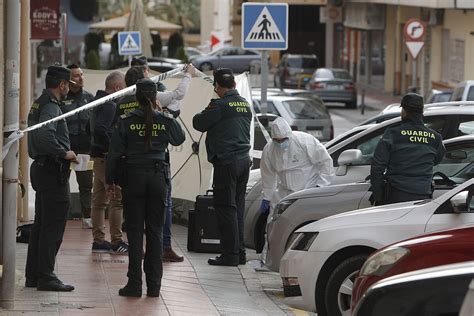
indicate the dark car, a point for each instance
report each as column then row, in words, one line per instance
column 334, row 85
column 295, row 70
column 438, row 291
column 159, row 64
column 425, row 251
column 236, row 58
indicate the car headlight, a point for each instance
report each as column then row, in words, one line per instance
column 304, row 241
column 282, row 206
column 382, row 261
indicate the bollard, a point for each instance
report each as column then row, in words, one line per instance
column 362, row 105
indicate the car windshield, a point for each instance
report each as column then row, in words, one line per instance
column 340, row 74
column 441, row 97
column 304, row 109
column 302, row 62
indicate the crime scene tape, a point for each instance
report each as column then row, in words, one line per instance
column 17, row 134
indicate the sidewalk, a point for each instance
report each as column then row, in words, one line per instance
column 188, row 288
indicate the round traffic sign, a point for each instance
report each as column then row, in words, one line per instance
column 414, row 30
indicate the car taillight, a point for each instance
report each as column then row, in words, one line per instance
column 318, row 85
column 294, row 128
column 349, row 86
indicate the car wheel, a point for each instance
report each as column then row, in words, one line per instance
column 338, row 292
column 259, row 233
column 206, row 67
column 351, row 105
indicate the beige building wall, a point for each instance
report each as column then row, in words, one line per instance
column 390, row 49
column 436, row 59
column 460, row 24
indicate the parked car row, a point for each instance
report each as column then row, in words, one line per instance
column 319, row 238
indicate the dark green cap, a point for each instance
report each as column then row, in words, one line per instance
column 223, row 76
column 59, row 73
column 146, row 85
column 412, row 102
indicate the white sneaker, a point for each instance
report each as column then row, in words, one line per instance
column 87, row 223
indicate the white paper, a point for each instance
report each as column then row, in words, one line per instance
column 85, row 163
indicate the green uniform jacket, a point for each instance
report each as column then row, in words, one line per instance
column 406, row 154
column 128, row 141
column 126, row 105
column 227, row 123
column 51, row 140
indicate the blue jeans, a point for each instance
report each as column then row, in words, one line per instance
column 168, row 217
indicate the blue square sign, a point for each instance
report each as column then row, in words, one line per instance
column 129, row 43
column 265, row 26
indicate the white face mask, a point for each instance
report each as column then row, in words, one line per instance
column 283, row 145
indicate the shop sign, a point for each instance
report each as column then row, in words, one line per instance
column 44, row 18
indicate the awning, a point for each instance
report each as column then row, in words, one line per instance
column 118, row 24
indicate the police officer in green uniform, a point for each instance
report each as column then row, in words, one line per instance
column 141, row 138
column 402, row 167
column 227, row 123
column 80, row 136
column 50, row 150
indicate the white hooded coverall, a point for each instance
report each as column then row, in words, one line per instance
column 305, row 163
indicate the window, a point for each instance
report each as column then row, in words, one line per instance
column 323, row 74
column 457, row 94
column 447, row 208
column 338, row 74
column 303, row 109
column 456, row 159
column 470, row 94
column 257, row 105
column 302, row 62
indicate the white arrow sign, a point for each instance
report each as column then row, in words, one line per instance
column 414, row 48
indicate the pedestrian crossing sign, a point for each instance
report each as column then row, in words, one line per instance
column 265, row 26
column 129, row 43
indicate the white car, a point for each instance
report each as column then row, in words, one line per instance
column 351, row 167
column 319, row 267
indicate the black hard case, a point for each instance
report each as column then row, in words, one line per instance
column 203, row 231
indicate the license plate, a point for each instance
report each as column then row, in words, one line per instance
column 335, row 87
column 316, row 133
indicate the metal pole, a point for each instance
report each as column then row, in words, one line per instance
column 362, row 106
column 264, row 82
column 10, row 168
column 413, row 78
column 25, row 101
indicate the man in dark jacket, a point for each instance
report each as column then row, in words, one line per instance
column 402, row 167
column 102, row 128
column 51, row 152
column 79, row 135
column 227, row 123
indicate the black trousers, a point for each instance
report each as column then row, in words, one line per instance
column 229, row 185
column 144, row 196
column 397, row 196
column 51, row 208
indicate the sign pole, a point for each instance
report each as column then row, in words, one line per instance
column 264, row 81
column 413, row 79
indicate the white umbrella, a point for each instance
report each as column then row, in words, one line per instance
column 137, row 22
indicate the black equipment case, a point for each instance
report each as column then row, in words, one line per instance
column 203, row 231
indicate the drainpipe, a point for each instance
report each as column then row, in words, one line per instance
column 10, row 163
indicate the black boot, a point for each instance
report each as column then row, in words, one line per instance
column 130, row 291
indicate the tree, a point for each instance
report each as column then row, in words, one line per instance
column 157, row 44
column 92, row 60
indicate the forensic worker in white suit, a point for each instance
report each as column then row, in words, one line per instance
column 291, row 162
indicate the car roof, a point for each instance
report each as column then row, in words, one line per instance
column 281, row 98
column 437, row 111
column 464, row 138
column 301, row 55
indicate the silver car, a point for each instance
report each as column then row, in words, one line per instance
column 306, row 206
column 302, row 114
column 235, row 58
column 353, row 166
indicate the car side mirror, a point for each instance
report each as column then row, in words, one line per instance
column 460, row 202
column 347, row 157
